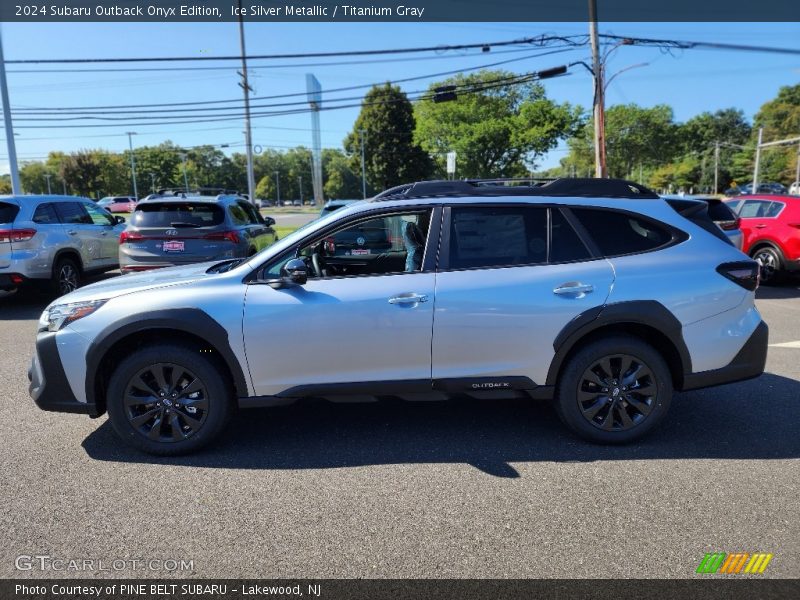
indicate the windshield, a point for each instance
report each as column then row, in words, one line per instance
column 177, row 214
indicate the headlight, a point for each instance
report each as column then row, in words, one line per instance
column 56, row 317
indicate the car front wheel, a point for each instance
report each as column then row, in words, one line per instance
column 614, row 390
column 168, row 400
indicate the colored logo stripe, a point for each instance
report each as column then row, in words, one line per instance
column 722, row 562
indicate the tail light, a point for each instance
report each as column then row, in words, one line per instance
column 745, row 273
column 130, row 236
column 729, row 225
column 223, row 236
column 16, row 235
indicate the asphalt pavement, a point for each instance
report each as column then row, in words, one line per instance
column 457, row 489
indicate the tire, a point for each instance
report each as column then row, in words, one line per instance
column 586, row 397
column 175, row 422
column 771, row 265
column 66, row 276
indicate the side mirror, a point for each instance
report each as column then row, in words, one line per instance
column 269, row 221
column 119, row 220
column 296, row 271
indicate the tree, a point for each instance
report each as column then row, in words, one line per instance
column 32, row 177
column 780, row 119
column 163, row 161
column 5, row 184
column 340, row 180
column 391, row 155
column 635, row 136
column 495, row 130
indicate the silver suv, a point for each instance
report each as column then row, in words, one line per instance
column 180, row 229
column 56, row 240
column 596, row 294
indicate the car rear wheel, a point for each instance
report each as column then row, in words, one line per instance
column 168, row 400
column 771, row 264
column 614, row 390
column 66, row 276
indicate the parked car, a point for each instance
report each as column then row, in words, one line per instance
column 722, row 215
column 771, row 231
column 118, row 204
column 332, row 205
column 794, row 189
column 595, row 293
column 763, row 188
column 180, row 229
column 56, row 240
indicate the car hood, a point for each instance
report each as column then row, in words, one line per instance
column 128, row 284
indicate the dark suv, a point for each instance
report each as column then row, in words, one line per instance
column 178, row 229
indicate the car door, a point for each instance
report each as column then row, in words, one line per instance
column 341, row 332
column 754, row 221
column 105, row 230
column 81, row 233
column 510, row 278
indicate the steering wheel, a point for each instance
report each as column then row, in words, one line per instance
column 318, row 264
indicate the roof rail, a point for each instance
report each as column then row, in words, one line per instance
column 564, row 187
column 206, row 191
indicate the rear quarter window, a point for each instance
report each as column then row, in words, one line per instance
column 45, row 214
column 166, row 214
column 8, row 212
column 617, row 233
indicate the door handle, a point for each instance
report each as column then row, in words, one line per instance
column 761, row 226
column 408, row 299
column 72, row 232
column 574, row 287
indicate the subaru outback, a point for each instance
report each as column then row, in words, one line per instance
column 596, row 294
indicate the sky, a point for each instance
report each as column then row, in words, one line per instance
column 691, row 81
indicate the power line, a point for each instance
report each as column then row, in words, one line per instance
column 34, row 110
column 689, row 45
column 536, row 40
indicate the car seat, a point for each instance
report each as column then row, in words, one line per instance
column 414, row 241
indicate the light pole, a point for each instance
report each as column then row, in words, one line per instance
column 758, row 160
column 10, row 142
column 48, row 176
column 277, row 188
column 300, row 187
column 130, row 135
column 361, row 134
column 64, row 183
column 153, row 182
column 185, row 178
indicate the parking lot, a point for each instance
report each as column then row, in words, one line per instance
column 459, row 489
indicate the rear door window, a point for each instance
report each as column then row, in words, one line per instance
column 754, row 209
column 483, row 237
column 774, row 209
column 617, row 233
column 177, row 214
column 565, row 245
column 45, row 214
column 8, row 212
column 73, row 213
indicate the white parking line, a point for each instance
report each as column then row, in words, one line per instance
column 786, row 345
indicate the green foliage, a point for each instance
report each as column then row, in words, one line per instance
column 495, row 130
column 392, row 156
column 5, row 184
column 341, row 181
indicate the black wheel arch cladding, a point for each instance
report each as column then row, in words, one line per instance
column 648, row 313
column 192, row 321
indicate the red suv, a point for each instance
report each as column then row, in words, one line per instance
column 771, row 229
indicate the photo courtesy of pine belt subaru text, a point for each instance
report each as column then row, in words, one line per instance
column 595, row 294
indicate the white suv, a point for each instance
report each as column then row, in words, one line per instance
column 596, row 294
column 55, row 240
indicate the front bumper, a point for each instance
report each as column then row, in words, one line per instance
column 49, row 387
column 747, row 364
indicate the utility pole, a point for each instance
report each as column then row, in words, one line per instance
column 64, row 183
column 758, row 159
column 153, row 183
column 10, row 142
column 248, row 135
column 797, row 167
column 599, row 96
column 48, row 176
column 185, row 178
column 277, row 188
column 300, row 187
column 361, row 134
column 716, row 167
column 130, row 135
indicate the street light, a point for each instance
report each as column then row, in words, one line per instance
column 153, row 182
column 278, row 188
column 362, row 133
column 48, row 176
column 185, row 178
column 130, row 135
